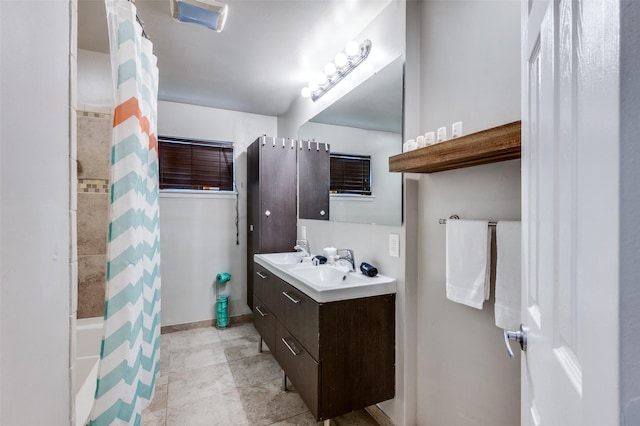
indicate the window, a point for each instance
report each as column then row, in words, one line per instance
column 195, row 164
column 350, row 174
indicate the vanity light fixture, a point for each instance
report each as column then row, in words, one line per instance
column 343, row 64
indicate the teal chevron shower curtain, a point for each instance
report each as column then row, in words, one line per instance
column 130, row 352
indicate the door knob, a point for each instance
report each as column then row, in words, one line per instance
column 519, row 336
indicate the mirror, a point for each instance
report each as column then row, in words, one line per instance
column 366, row 121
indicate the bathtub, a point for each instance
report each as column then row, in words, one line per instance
column 88, row 337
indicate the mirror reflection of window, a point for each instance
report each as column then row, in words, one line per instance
column 350, row 174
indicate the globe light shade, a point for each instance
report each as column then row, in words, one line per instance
column 313, row 85
column 340, row 60
column 352, row 49
column 330, row 69
column 305, row 92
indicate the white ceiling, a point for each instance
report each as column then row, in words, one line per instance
column 268, row 51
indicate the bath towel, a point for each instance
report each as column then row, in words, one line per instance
column 507, row 309
column 468, row 261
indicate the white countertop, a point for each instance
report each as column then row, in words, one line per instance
column 352, row 285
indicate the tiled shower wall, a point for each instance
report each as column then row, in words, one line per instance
column 94, row 142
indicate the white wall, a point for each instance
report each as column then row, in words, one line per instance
column 384, row 205
column 198, row 241
column 198, row 232
column 34, row 223
column 411, row 215
column 94, row 79
column 469, row 71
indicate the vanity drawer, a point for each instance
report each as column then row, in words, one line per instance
column 265, row 322
column 300, row 367
column 261, row 280
column 298, row 313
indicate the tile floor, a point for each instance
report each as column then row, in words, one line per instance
column 217, row 377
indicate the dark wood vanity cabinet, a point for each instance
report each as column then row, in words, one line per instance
column 339, row 356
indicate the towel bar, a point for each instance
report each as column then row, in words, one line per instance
column 455, row 216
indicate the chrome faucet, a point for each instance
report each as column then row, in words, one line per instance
column 347, row 255
column 302, row 246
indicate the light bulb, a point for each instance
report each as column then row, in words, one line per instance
column 340, row 60
column 352, row 49
column 305, row 92
column 330, row 69
column 313, row 85
column 321, row 78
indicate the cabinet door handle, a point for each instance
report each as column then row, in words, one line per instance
column 290, row 297
column 262, row 314
column 261, row 275
column 290, row 347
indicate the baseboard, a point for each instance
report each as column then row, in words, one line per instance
column 379, row 415
column 239, row 319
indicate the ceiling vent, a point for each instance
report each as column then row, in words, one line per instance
column 208, row 13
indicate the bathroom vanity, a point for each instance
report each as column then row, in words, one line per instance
column 335, row 341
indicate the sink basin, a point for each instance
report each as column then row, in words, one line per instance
column 321, row 275
column 283, row 258
column 324, row 283
column 330, row 277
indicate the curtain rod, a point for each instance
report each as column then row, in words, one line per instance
column 144, row 33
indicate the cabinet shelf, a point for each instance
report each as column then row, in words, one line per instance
column 488, row 146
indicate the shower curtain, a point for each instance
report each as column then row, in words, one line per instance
column 130, row 351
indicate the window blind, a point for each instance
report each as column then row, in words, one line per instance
column 350, row 174
column 195, row 164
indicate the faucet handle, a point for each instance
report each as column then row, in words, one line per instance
column 302, row 246
column 349, row 253
column 348, row 257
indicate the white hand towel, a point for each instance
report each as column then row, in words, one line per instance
column 507, row 308
column 468, row 261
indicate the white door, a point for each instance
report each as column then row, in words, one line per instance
column 570, row 197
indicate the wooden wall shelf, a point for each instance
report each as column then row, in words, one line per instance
column 488, row 146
